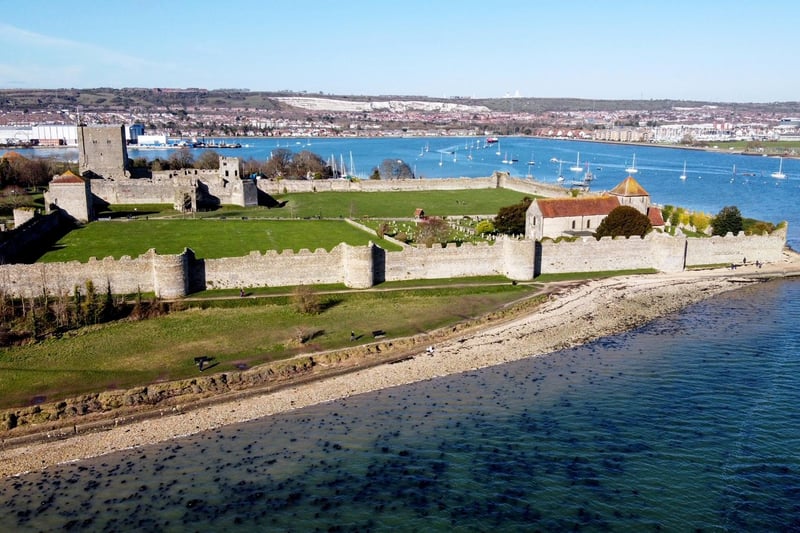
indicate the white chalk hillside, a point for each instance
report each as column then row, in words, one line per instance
column 329, row 104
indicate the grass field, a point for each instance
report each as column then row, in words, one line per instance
column 380, row 204
column 208, row 238
column 769, row 147
column 127, row 354
column 229, row 235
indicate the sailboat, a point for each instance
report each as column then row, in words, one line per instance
column 632, row 169
column 505, row 160
column 577, row 167
column 352, row 165
column 683, row 176
column 441, row 158
column 779, row 174
column 532, row 161
column 560, row 175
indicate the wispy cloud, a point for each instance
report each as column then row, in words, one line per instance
column 47, row 57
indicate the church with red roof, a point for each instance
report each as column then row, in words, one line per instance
column 558, row 217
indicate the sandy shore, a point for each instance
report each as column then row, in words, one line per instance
column 574, row 316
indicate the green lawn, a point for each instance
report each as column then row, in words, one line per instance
column 208, row 238
column 126, row 354
column 393, row 204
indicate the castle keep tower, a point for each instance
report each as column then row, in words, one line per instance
column 102, row 151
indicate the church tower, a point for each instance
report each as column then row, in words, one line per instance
column 629, row 192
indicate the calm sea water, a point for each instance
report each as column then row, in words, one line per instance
column 689, row 423
column 714, row 180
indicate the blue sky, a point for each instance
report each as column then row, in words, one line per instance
column 730, row 51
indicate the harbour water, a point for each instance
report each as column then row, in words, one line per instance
column 714, row 179
column 688, row 423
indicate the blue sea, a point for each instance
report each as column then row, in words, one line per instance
column 688, row 423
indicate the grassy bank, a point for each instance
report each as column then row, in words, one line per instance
column 127, row 354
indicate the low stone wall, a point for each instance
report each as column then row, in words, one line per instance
column 443, row 184
column 497, row 180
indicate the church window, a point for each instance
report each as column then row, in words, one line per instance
column 588, row 224
column 573, row 224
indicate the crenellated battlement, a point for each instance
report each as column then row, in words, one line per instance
column 176, row 275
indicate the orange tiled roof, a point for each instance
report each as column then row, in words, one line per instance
column 655, row 216
column 629, row 187
column 68, row 177
column 571, row 207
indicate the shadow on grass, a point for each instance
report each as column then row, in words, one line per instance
column 330, row 303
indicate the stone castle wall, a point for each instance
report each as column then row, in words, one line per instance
column 149, row 273
column 498, row 179
column 275, row 269
column 174, row 276
column 456, row 262
column 656, row 251
column 164, row 187
column 733, row 249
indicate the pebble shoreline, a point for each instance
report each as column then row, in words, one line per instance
column 592, row 310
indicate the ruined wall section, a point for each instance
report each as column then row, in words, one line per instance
column 169, row 187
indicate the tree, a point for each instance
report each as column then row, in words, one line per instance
column 181, row 158
column 277, row 166
column 729, row 219
column 395, row 169
column 484, row 227
column 306, row 301
column 208, row 160
column 624, row 221
column 510, row 220
column 308, row 164
column 433, row 230
column 700, row 221
column 15, row 196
